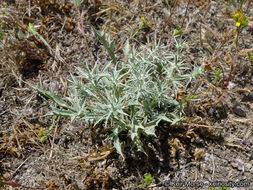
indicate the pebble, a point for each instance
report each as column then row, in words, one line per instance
column 224, row 172
column 6, row 176
column 238, row 164
column 248, row 98
column 248, row 167
column 238, row 110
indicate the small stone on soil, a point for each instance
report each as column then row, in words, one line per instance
column 237, row 109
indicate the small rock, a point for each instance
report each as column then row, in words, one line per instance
column 231, row 85
column 248, row 166
column 238, row 164
column 248, row 98
column 224, row 172
column 224, row 162
column 6, row 176
column 238, row 110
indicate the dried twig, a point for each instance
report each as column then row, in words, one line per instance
column 231, row 71
column 21, row 165
column 81, row 28
column 168, row 19
column 187, row 7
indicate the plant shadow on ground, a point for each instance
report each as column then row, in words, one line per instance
column 179, row 148
column 171, row 151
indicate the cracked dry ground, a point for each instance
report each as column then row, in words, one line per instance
column 214, row 144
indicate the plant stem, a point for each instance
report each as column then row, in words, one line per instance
column 242, row 1
column 231, row 71
column 187, row 7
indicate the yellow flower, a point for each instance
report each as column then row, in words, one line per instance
column 238, row 24
column 145, row 23
column 148, row 24
column 41, row 132
column 236, row 15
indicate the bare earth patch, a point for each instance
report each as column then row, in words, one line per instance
column 213, row 143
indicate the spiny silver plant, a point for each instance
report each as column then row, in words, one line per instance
column 132, row 97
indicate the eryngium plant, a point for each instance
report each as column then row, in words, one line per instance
column 132, row 97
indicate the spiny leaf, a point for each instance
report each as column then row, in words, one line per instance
column 54, row 97
column 109, row 45
column 149, row 128
column 117, row 145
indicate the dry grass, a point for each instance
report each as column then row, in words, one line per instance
column 75, row 155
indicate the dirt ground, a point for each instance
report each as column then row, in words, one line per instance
column 214, row 143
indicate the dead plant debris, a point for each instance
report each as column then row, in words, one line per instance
column 212, row 143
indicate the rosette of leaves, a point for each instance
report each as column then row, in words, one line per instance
column 132, row 97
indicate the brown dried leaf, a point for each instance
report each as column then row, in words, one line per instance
column 208, row 67
column 245, row 52
column 175, row 146
column 15, row 152
column 198, row 154
column 13, row 184
column 102, row 155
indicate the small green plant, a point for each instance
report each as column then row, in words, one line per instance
column 146, row 181
column 187, row 99
column 250, row 55
column 144, row 26
column 217, row 76
column 132, row 97
column 241, row 21
column 45, row 134
column 167, row 2
column 32, row 30
column 177, row 32
column 218, row 188
column 1, row 182
column 78, row 3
